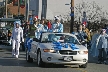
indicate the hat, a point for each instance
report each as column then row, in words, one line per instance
column 56, row 18
column 103, row 30
column 18, row 22
column 84, row 23
column 36, row 17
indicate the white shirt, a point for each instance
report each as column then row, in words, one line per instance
column 17, row 34
column 56, row 27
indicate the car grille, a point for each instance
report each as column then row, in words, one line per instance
column 67, row 52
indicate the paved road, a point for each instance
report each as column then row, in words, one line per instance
column 9, row 64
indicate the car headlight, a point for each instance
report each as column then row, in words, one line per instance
column 83, row 52
column 49, row 50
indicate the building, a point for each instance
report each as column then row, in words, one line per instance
column 14, row 9
column 50, row 8
column 2, row 3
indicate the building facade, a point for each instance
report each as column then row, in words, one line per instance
column 14, row 9
column 50, row 8
column 2, row 3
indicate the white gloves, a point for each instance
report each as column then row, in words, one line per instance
column 23, row 40
column 10, row 41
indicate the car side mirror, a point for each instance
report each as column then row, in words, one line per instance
column 35, row 39
column 83, row 42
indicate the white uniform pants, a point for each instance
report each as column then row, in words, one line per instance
column 15, row 47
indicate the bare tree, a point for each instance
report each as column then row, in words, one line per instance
column 93, row 11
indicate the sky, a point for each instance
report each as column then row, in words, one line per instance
column 101, row 3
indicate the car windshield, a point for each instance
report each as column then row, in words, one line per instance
column 63, row 38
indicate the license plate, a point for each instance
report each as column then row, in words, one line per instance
column 68, row 58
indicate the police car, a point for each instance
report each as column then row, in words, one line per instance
column 56, row 48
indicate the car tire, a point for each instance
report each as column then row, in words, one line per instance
column 40, row 63
column 83, row 66
column 28, row 58
column 23, row 47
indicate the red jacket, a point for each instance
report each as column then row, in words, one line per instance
column 49, row 25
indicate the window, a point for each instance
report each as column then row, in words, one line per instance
column 63, row 38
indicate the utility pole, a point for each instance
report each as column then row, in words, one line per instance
column 72, row 16
column 18, row 8
column 27, row 10
column 6, row 8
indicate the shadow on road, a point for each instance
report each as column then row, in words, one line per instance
column 55, row 66
column 23, row 54
column 15, row 62
column 9, row 61
column 92, row 59
column 1, row 51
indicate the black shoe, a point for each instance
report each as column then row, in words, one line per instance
column 99, row 62
column 104, row 62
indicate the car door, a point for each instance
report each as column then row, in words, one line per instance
column 34, row 49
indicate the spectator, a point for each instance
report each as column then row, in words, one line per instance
column 31, row 19
column 45, row 27
column 102, row 46
column 49, row 25
column 86, row 30
column 82, row 36
column 94, row 50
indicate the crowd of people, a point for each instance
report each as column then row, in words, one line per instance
column 99, row 45
column 43, row 25
column 96, row 43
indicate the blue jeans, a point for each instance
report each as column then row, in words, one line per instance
column 102, row 54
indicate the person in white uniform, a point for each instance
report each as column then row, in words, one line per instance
column 57, row 26
column 39, row 29
column 17, row 37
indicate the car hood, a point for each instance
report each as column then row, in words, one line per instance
column 51, row 46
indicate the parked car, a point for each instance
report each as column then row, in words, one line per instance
column 56, row 48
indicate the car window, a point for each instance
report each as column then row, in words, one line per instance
column 71, row 40
column 59, row 37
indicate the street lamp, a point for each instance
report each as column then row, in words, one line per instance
column 6, row 8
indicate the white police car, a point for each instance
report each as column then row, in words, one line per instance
column 57, row 48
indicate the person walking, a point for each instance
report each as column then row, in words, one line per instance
column 102, row 45
column 16, row 38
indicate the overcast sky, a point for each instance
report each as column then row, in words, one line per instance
column 102, row 3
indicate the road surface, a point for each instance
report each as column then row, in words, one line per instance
column 9, row 64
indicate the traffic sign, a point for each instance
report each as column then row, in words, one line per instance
column 84, row 14
column 72, row 8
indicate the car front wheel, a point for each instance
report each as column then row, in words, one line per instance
column 40, row 63
column 28, row 58
column 23, row 47
column 83, row 66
